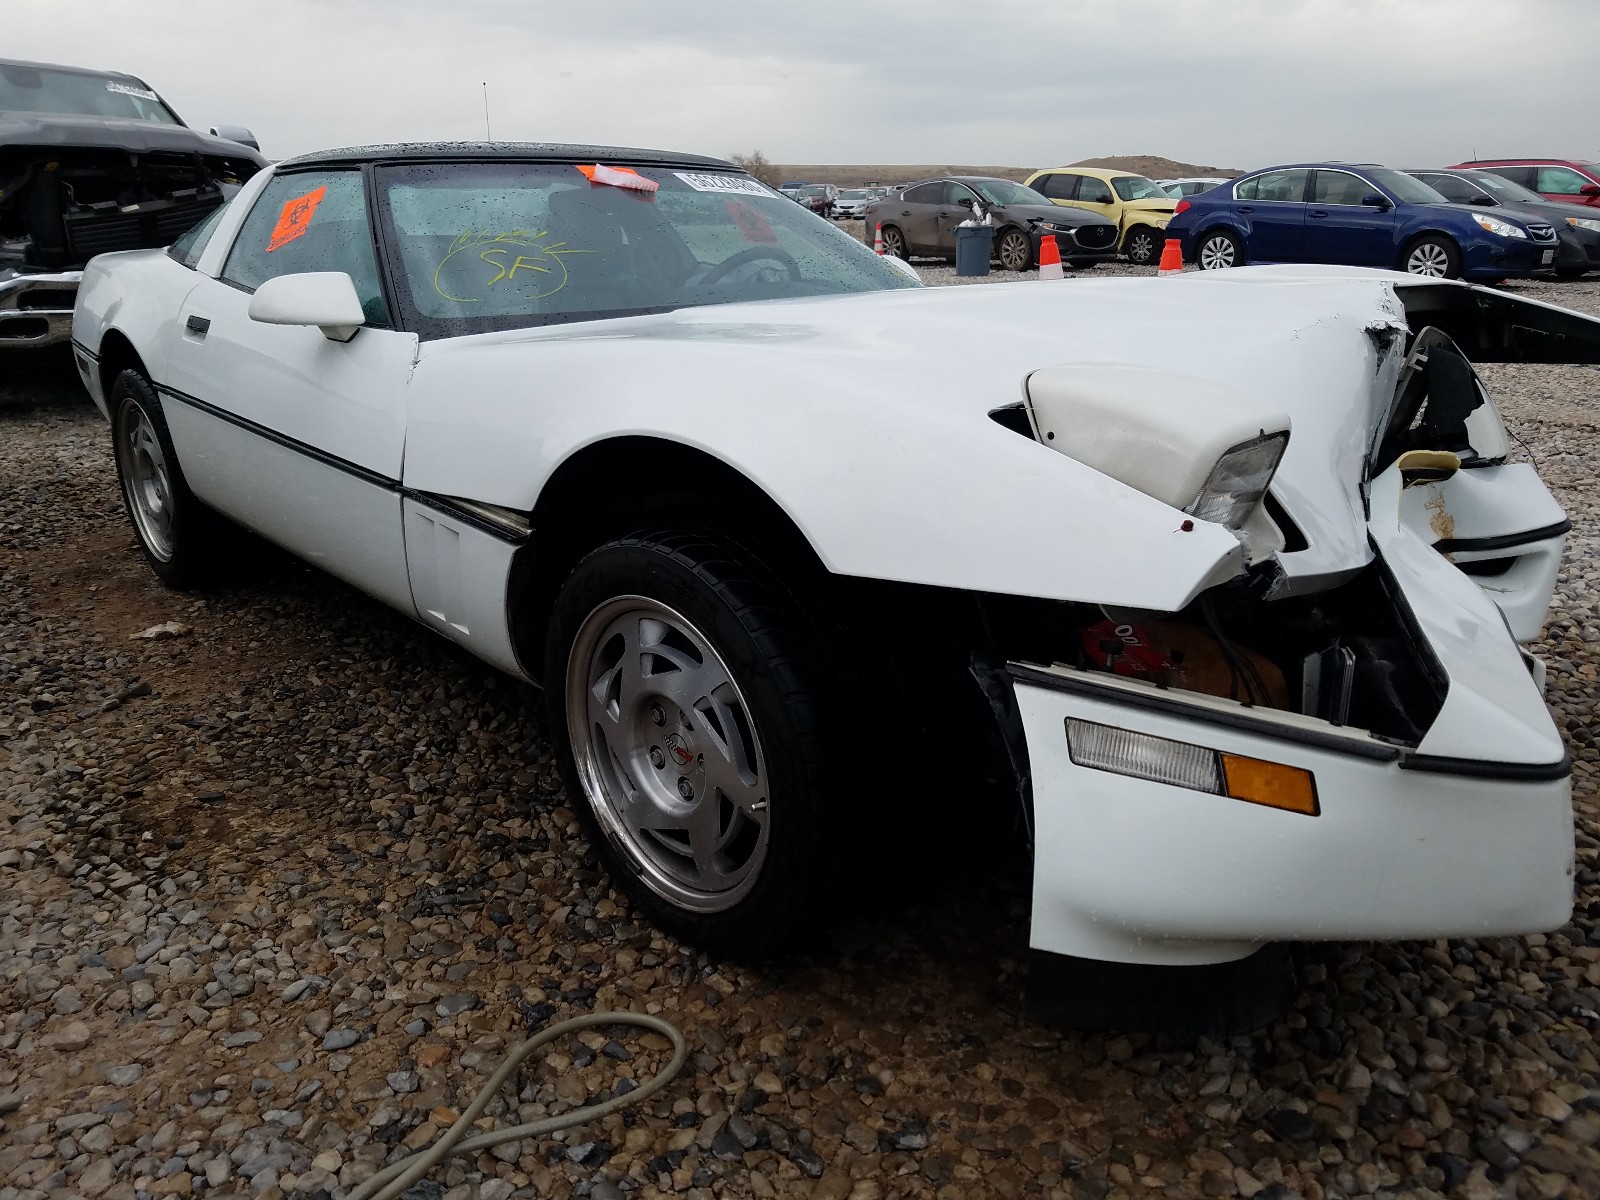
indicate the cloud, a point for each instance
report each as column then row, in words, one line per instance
column 1232, row 82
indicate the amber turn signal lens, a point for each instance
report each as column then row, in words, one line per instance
column 1273, row 784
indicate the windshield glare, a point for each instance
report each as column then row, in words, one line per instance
column 1137, row 187
column 507, row 245
column 1405, row 188
column 1003, row 191
column 73, row 93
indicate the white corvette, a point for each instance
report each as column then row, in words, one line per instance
column 1225, row 575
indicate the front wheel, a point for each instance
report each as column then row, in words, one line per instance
column 688, row 723
column 181, row 538
column 1433, row 257
column 1219, row 250
column 1015, row 250
column 1142, row 246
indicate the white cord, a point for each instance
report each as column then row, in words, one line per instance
column 396, row 1178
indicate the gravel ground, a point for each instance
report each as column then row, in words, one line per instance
column 276, row 892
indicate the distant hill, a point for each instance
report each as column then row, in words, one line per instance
column 854, row 175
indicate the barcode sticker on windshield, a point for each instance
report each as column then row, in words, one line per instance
column 741, row 184
column 125, row 89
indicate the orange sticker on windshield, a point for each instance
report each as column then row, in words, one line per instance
column 622, row 177
column 295, row 218
column 757, row 231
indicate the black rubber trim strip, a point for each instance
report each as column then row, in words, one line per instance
column 1473, row 768
column 356, row 470
column 1244, row 722
column 80, row 348
column 1504, row 541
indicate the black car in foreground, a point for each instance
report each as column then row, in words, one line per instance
column 1577, row 225
column 922, row 220
column 90, row 162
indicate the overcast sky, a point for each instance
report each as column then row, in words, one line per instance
column 1237, row 83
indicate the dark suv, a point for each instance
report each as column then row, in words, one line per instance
column 923, row 218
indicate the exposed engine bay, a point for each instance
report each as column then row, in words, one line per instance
column 60, row 206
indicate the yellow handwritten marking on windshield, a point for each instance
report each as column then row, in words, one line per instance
column 494, row 249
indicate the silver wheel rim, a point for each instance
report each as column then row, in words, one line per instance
column 667, row 753
column 146, row 481
column 1014, row 252
column 1142, row 248
column 1216, row 254
column 1430, row 259
column 892, row 244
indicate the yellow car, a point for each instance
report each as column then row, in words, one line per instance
column 1138, row 205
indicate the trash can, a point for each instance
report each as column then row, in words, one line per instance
column 973, row 243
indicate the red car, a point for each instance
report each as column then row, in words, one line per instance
column 1553, row 178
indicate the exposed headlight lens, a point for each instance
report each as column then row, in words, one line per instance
column 1239, row 480
column 1584, row 223
column 1499, row 228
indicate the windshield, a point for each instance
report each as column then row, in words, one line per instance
column 1405, row 188
column 74, row 93
column 815, row 189
column 509, row 245
column 1003, row 191
column 857, row 194
column 1137, row 187
column 1508, row 192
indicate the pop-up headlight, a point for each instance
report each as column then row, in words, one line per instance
column 1239, row 480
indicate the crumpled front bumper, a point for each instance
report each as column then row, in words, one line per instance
column 1468, row 834
column 36, row 310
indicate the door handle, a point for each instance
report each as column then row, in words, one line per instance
column 198, row 325
column 1244, row 208
column 1317, row 213
column 905, row 212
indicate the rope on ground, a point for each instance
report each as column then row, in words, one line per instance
column 396, row 1178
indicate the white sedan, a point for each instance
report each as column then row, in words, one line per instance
column 1225, row 576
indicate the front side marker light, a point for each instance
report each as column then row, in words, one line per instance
column 1239, row 480
column 1198, row 768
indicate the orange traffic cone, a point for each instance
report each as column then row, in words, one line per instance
column 1050, row 258
column 1171, row 258
column 877, row 238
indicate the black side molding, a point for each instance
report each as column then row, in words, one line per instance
column 1503, row 541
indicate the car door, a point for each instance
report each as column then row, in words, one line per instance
column 918, row 216
column 294, row 435
column 1095, row 195
column 952, row 213
column 1059, row 187
column 1340, row 229
column 1564, row 184
column 1271, row 209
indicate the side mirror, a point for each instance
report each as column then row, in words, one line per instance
column 1483, row 201
column 326, row 299
column 236, row 133
column 964, row 202
column 1376, row 200
column 1590, row 190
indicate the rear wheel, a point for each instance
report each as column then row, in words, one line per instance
column 1015, row 250
column 687, row 717
column 1432, row 256
column 894, row 242
column 1219, row 250
column 1142, row 246
column 181, row 538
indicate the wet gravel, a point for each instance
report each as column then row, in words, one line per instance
column 277, row 889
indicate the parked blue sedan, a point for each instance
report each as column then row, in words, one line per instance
column 1360, row 216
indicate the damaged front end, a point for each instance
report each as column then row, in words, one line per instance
column 60, row 205
column 1343, row 741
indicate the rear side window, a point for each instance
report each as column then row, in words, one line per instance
column 1282, row 186
column 1093, row 191
column 927, row 193
column 1559, row 181
column 1058, row 187
column 188, row 249
column 309, row 221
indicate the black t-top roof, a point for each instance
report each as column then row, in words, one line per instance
column 481, row 151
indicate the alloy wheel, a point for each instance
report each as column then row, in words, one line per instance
column 147, row 481
column 1429, row 259
column 1015, row 251
column 1217, row 254
column 667, row 753
column 893, row 244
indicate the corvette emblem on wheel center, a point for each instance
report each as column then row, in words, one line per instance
column 681, row 754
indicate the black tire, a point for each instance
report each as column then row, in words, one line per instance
column 1433, row 256
column 894, row 242
column 1142, row 245
column 1015, row 251
column 755, row 630
column 1217, row 250
column 193, row 550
